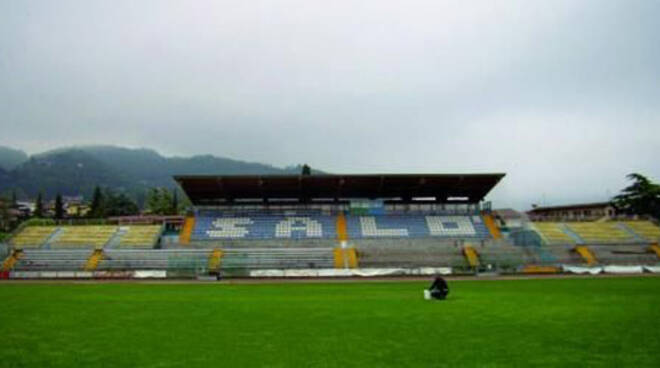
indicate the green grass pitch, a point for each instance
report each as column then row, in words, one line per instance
column 548, row 322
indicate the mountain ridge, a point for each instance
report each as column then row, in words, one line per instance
column 77, row 170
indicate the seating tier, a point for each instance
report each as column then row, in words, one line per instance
column 285, row 225
column 645, row 229
column 140, row 236
column 310, row 225
column 416, row 226
column 84, row 236
column 32, row 236
column 600, row 232
column 553, row 233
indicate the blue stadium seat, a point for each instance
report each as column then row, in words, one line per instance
column 211, row 225
column 217, row 225
column 415, row 226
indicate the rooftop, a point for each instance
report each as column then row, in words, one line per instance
column 454, row 188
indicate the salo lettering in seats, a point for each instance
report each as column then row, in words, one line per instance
column 311, row 228
column 450, row 226
column 369, row 228
column 229, row 227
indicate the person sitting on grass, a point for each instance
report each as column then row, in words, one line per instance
column 439, row 289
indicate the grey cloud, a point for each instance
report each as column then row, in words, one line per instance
column 561, row 95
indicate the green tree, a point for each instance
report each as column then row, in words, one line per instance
column 175, row 203
column 59, row 207
column 306, row 170
column 14, row 200
column 39, row 206
column 160, row 201
column 96, row 208
column 184, row 203
column 5, row 215
column 119, row 205
column 642, row 197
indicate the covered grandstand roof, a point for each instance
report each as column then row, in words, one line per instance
column 469, row 188
column 570, row 207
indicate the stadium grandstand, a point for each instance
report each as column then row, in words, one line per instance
column 333, row 225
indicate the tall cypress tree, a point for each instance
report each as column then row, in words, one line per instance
column 175, row 203
column 59, row 207
column 642, row 197
column 96, row 208
column 39, row 206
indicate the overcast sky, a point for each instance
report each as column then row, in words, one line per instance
column 563, row 96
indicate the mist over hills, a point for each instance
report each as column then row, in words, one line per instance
column 77, row 170
column 11, row 158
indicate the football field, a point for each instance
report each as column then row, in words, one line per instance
column 530, row 322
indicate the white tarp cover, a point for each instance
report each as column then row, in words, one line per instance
column 301, row 273
column 150, row 274
column 65, row 274
column 582, row 270
column 267, row 273
column 362, row 272
column 654, row 269
column 371, row 272
column 623, row 269
column 430, row 271
column 24, row 275
column 113, row 274
column 334, row 272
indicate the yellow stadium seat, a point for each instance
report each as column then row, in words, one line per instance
column 84, row 236
column 32, row 236
column 600, row 232
column 645, row 229
column 140, row 236
column 553, row 233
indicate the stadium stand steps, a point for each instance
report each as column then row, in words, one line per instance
column 93, row 260
column 11, row 260
column 492, row 227
column 538, row 254
column 114, row 241
column 503, row 256
column 577, row 239
column 586, row 255
column 345, row 258
column 215, row 259
column 277, row 258
column 186, row 231
column 627, row 254
column 471, row 256
column 53, row 260
column 154, row 259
